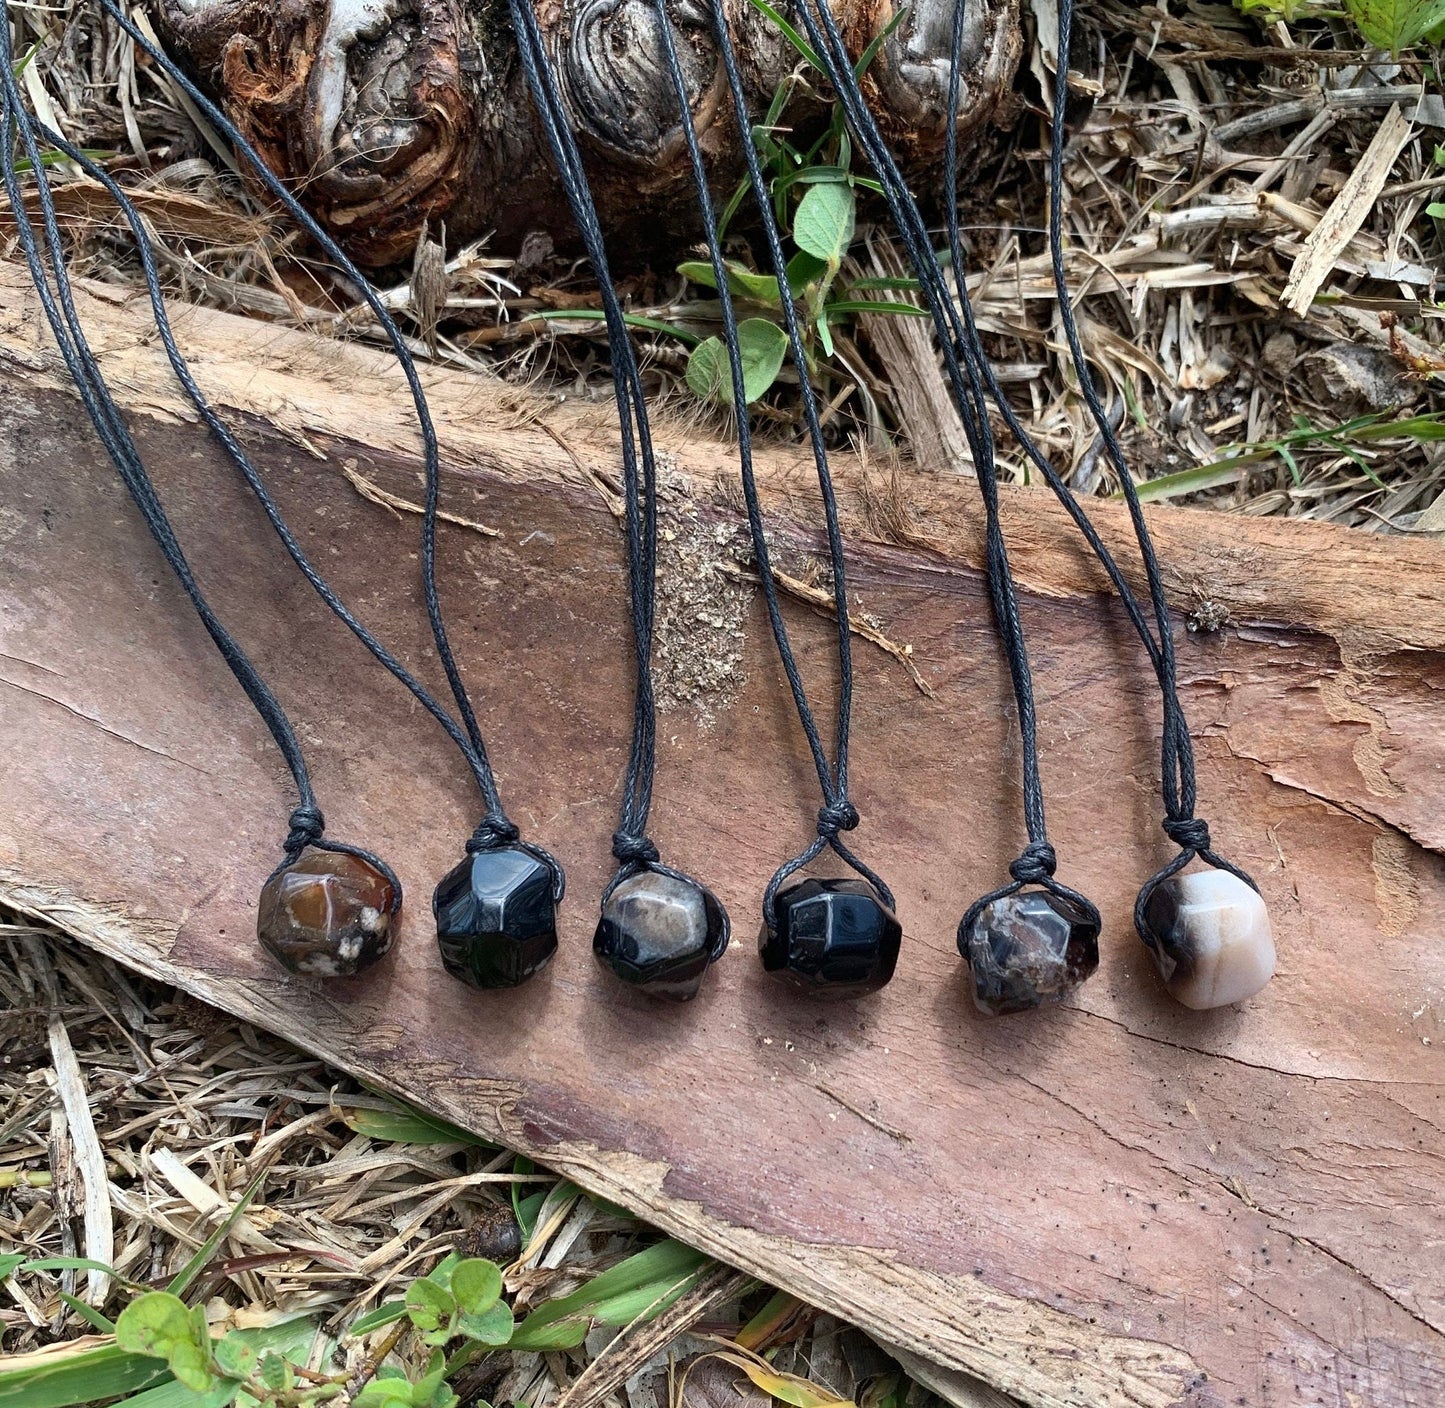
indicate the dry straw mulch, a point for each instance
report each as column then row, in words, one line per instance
column 133, row 1117
column 1247, row 207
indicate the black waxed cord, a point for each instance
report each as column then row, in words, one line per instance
column 496, row 828
column 306, row 824
column 837, row 814
column 1188, row 832
column 1036, row 864
column 631, row 846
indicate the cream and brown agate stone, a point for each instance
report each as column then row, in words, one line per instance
column 1211, row 939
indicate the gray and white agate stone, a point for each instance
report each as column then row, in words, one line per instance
column 1028, row 949
column 1210, row 937
column 659, row 933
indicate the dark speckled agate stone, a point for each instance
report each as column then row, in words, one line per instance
column 835, row 938
column 327, row 914
column 1028, row 949
column 496, row 918
column 659, row 933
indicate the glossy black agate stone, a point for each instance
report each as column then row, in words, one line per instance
column 1028, row 949
column 496, row 918
column 659, row 933
column 834, row 938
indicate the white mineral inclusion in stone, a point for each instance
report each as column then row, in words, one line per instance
column 1213, row 941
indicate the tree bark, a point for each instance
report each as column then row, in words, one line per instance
column 1106, row 1204
column 392, row 114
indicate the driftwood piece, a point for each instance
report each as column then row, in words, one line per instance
column 1115, row 1203
column 392, row 114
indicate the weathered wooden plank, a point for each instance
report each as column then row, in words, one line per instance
column 1115, row 1203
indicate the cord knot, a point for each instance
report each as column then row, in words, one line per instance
column 493, row 831
column 633, row 850
column 1190, row 833
column 836, row 817
column 306, row 825
column 1037, row 862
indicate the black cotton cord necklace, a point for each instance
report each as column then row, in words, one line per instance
column 1032, row 939
column 496, row 911
column 345, row 899
column 1208, row 933
column 660, row 929
column 487, row 944
column 836, row 936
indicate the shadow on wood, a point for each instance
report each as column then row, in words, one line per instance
column 1114, row 1203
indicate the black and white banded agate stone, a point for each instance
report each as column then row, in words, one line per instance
column 1210, row 937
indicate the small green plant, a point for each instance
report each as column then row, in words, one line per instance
column 1391, row 25
column 1394, row 25
column 160, row 1351
column 814, row 195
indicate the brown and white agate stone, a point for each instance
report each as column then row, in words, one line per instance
column 327, row 914
column 1210, row 936
column 1030, row 949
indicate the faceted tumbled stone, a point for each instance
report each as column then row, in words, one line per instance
column 1211, row 939
column 659, row 933
column 832, row 937
column 1030, row 948
column 327, row 914
column 496, row 918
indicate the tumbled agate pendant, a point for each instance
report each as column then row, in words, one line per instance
column 1210, row 937
column 1028, row 949
column 496, row 918
column 327, row 914
column 834, row 938
column 660, row 933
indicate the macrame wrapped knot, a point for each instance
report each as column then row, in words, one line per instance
column 1037, row 863
column 836, row 817
column 1190, row 833
column 633, row 850
column 306, row 825
column 493, row 831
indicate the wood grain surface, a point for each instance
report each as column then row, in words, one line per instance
column 1114, row 1203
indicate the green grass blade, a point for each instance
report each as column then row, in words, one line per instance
column 182, row 1281
column 26, row 59
column 88, row 1313
column 1424, row 427
column 77, row 1263
column 88, row 1374
column 879, row 40
column 403, row 1125
column 789, row 33
column 386, row 1313
column 633, row 320
column 1204, row 476
column 868, row 305
column 898, row 285
column 650, row 1280
column 176, row 1395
